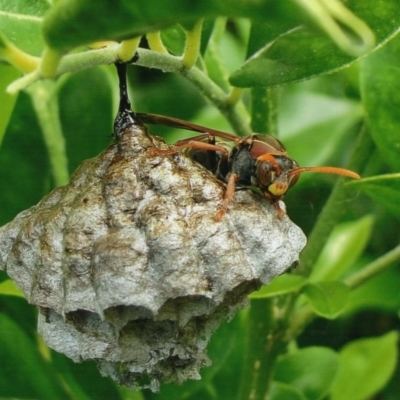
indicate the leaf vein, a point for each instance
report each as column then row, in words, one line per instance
column 20, row 16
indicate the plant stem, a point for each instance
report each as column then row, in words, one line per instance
column 206, row 86
column 45, row 103
column 334, row 207
column 49, row 63
column 266, row 339
column 127, row 49
column 149, row 59
column 258, row 363
column 264, row 110
column 306, row 314
column 192, row 45
column 155, row 42
column 18, row 58
column 374, row 268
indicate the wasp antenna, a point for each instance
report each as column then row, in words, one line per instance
column 326, row 170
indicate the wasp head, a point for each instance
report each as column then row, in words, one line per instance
column 276, row 174
column 273, row 175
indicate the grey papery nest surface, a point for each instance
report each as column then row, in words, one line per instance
column 129, row 267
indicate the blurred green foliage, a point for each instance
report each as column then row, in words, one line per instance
column 340, row 106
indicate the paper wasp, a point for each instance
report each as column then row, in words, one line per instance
column 257, row 160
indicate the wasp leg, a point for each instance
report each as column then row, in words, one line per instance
column 192, row 144
column 198, row 138
column 281, row 213
column 230, row 190
column 180, row 124
column 275, row 201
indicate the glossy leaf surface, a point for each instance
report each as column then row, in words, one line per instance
column 380, row 293
column 123, row 18
column 384, row 189
column 365, row 366
column 281, row 391
column 380, row 75
column 328, row 299
column 20, row 22
column 9, row 288
column 312, row 120
column 310, row 370
column 19, row 350
column 343, row 248
column 303, row 53
column 280, row 285
column 7, row 101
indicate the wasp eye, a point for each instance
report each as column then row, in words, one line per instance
column 265, row 173
column 293, row 180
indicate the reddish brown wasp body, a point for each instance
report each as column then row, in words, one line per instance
column 257, row 160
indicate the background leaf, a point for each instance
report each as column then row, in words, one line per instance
column 318, row 122
column 24, row 170
column 310, row 370
column 7, row 101
column 281, row 391
column 23, row 362
column 83, row 379
column 379, row 293
column 384, row 189
column 8, row 287
column 328, row 299
column 346, row 243
column 365, row 366
column 21, row 23
column 303, row 53
column 280, row 285
column 312, row 120
column 380, row 75
column 123, row 18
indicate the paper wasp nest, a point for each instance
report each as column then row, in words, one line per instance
column 129, row 268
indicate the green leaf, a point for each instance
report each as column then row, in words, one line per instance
column 384, row 189
column 366, row 365
column 86, row 119
column 26, row 374
column 111, row 19
column 8, row 288
column 84, row 379
column 310, row 370
column 381, row 292
column 280, row 285
column 128, row 394
column 303, row 53
column 224, row 52
column 267, row 31
column 23, row 162
column 282, row 391
column 21, row 21
column 7, row 101
column 174, row 39
column 380, row 75
column 313, row 121
column 345, row 245
column 328, row 299
column 215, row 64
